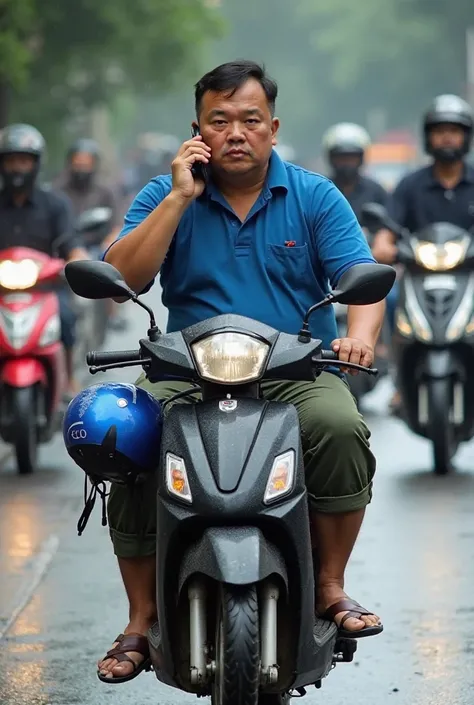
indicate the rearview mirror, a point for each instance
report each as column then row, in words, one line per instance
column 364, row 284
column 97, row 280
column 93, row 219
column 374, row 217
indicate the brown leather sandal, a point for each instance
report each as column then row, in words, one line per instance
column 355, row 610
column 128, row 642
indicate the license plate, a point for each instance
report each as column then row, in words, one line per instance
column 439, row 281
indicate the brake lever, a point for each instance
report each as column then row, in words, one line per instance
column 350, row 365
column 94, row 369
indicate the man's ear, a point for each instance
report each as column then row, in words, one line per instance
column 275, row 128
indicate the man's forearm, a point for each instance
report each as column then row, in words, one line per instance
column 140, row 254
column 365, row 322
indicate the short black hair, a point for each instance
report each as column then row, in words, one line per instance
column 229, row 77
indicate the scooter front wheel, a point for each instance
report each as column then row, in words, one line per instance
column 237, row 647
column 441, row 430
column 26, row 438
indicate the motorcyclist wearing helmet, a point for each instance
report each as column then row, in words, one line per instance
column 81, row 185
column 443, row 191
column 36, row 218
column 344, row 148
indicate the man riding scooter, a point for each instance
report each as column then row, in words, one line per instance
column 442, row 192
column 81, row 185
column 35, row 218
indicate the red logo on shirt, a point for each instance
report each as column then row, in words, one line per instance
column 290, row 243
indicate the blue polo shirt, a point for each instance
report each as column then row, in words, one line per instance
column 300, row 237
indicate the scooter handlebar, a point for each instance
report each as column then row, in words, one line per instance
column 330, row 358
column 113, row 357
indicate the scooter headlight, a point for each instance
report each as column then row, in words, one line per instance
column 177, row 478
column 230, row 358
column 18, row 275
column 440, row 258
column 280, row 481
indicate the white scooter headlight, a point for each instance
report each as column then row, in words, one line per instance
column 18, row 275
column 230, row 358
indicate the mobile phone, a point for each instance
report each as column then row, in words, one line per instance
column 199, row 170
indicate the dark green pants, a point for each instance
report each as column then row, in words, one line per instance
column 337, row 457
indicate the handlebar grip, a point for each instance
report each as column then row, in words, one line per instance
column 329, row 354
column 112, row 357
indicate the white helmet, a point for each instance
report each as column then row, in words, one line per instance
column 346, row 138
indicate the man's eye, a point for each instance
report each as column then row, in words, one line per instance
column 219, row 123
column 252, row 121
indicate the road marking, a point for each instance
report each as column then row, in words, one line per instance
column 36, row 572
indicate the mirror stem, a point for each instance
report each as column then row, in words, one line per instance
column 304, row 336
column 153, row 331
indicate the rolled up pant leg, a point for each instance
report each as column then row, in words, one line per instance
column 132, row 511
column 338, row 461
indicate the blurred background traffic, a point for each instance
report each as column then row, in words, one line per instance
column 109, row 86
column 100, row 70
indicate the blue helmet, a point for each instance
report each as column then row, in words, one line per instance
column 113, row 432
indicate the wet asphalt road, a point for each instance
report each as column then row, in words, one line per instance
column 414, row 564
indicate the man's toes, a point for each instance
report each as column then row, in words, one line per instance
column 122, row 669
column 104, row 666
column 353, row 625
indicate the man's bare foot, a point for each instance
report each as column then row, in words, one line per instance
column 328, row 595
column 111, row 668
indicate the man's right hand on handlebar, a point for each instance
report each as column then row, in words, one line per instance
column 184, row 184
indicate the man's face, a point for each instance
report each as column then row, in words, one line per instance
column 82, row 162
column 239, row 129
column 446, row 136
column 18, row 163
column 346, row 161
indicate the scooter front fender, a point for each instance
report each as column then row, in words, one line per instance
column 237, row 555
column 23, row 372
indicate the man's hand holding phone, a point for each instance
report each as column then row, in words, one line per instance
column 193, row 152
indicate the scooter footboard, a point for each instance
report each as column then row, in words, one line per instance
column 236, row 555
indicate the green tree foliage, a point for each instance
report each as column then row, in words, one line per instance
column 58, row 57
column 394, row 53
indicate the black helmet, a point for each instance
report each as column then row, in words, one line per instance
column 20, row 139
column 448, row 109
column 86, row 145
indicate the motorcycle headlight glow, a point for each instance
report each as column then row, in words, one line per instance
column 18, row 275
column 177, row 478
column 440, row 258
column 280, row 481
column 230, row 358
